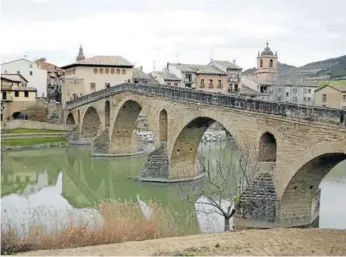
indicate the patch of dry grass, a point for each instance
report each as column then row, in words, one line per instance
column 123, row 221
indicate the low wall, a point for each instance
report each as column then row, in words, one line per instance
column 29, row 124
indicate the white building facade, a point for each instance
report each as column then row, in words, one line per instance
column 31, row 71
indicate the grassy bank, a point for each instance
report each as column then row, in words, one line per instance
column 32, row 141
column 26, row 130
column 124, row 221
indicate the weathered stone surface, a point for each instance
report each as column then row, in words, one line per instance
column 259, row 201
column 156, row 165
column 305, row 136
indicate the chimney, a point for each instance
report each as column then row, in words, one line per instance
column 141, row 68
column 234, row 62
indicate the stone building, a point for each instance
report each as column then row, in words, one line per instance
column 166, row 78
column 333, row 96
column 93, row 74
column 301, row 93
column 265, row 75
column 16, row 97
column 233, row 71
column 31, row 71
column 201, row 77
column 54, row 79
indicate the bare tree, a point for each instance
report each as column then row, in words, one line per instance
column 227, row 175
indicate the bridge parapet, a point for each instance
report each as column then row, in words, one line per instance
column 305, row 113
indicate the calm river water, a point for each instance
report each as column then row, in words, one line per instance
column 44, row 186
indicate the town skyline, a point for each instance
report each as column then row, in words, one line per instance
column 157, row 32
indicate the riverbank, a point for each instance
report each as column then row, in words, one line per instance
column 247, row 242
column 17, row 144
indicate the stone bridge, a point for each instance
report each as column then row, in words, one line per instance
column 296, row 145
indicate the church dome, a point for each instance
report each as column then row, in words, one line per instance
column 267, row 51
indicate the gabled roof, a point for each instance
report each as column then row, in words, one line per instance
column 20, row 59
column 338, row 87
column 197, row 68
column 14, row 77
column 226, row 64
column 48, row 66
column 166, row 75
column 102, row 60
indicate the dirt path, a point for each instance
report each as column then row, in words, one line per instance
column 249, row 242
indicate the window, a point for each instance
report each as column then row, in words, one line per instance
column 95, row 70
column 294, row 90
column 211, row 83
column 202, row 83
column 123, row 71
column 112, row 71
column 118, row 71
column 309, row 90
column 73, row 71
column 92, row 87
column 324, row 98
column 304, row 99
column 107, row 71
column 236, row 88
column 26, row 93
column 344, row 98
column 30, row 73
column 261, row 63
column 271, row 63
column 16, row 94
column 168, row 83
column 175, row 83
column 219, row 83
column 309, row 99
column 287, row 94
column 101, row 71
column 108, row 85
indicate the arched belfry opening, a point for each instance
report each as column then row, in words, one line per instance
column 163, row 126
column 107, row 113
column 267, row 148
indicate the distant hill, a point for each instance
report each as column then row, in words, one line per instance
column 333, row 68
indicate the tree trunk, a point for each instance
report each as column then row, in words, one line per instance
column 227, row 226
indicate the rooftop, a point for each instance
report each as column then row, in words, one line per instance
column 14, row 77
column 227, row 64
column 138, row 73
column 339, row 87
column 102, row 60
column 197, row 68
column 166, row 75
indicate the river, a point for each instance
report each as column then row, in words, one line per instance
column 39, row 184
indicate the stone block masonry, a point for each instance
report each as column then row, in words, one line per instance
column 296, row 139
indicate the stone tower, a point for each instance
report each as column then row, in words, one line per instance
column 80, row 55
column 267, row 65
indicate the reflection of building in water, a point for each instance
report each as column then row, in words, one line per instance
column 42, row 182
column 20, row 177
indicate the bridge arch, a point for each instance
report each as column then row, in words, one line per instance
column 301, row 190
column 267, row 151
column 107, row 113
column 91, row 123
column 123, row 133
column 163, row 123
column 183, row 156
column 70, row 119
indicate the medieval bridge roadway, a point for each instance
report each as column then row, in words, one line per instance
column 296, row 145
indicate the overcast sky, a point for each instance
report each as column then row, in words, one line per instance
column 144, row 31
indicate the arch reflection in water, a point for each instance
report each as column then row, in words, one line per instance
column 46, row 207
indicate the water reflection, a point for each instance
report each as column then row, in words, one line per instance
column 51, row 185
column 45, row 206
